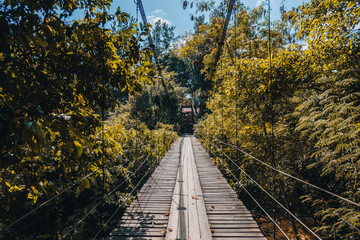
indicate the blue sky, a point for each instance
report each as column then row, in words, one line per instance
column 171, row 11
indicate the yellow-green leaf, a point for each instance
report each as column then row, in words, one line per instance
column 79, row 148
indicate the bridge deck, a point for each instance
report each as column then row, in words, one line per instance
column 187, row 198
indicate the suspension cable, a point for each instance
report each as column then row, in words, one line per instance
column 54, row 197
column 108, row 194
column 152, row 46
column 103, row 156
column 270, row 94
column 257, row 203
column 222, row 92
column 162, row 189
column 281, row 205
column 286, row 174
column 120, row 206
column 345, row 220
column 236, row 75
column 162, row 169
column 51, row 199
column 141, row 201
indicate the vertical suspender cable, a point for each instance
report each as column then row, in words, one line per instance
column 137, row 11
column 222, row 101
column 214, row 117
column 103, row 110
column 236, row 83
column 271, row 110
column 236, row 79
column 270, row 88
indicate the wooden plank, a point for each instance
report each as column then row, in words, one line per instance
column 187, row 198
column 227, row 216
column 147, row 216
column 205, row 232
column 193, row 199
column 257, row 235
column 190, row 219
column 236, row 238
column 174, row 212
column 132, row 238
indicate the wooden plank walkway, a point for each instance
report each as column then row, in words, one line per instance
column 228, row 217
column 187, row 198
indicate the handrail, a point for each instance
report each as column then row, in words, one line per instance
column 287, row 174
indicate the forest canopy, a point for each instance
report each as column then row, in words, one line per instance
column 288, row 95
column 65, row 139
column 82, row 110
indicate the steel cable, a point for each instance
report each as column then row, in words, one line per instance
column 51, row 199
column 106, row 195
column 121, row 205
column 281, row 205
column 54, row 197
column 162, row 168
column 286, row 174
column 257, row 203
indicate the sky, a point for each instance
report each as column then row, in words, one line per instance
column 172, row 12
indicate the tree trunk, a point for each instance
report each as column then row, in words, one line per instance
column 293, row 223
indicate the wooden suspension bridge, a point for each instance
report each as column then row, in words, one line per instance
column 187, row 198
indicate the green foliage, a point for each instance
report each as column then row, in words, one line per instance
column 121, row 146
column 163, row 35
column 56, row 78
column 329, row 119
column 300, row 115
column 199, row 5
column 152, row 106
column 296, row 108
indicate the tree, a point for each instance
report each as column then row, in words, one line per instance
column 56, row 86
column 332, row 107
column 329, row 120
column 151, row 106
column 163, row 36
column 295, row 109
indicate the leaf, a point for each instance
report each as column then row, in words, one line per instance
column 39, row 132
column 34, row 190
column 79, row 149
column 212, row 208
column 39, row 41
column 351, row 4
column 84, row 184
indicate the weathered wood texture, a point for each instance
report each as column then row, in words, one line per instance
column 147, row 216
column 228, row 217
column 188, row 219
column 187, row 198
